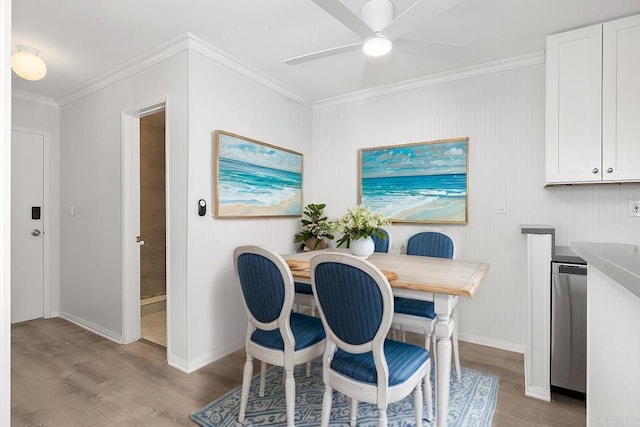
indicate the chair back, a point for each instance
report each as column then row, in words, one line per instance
column 355, row 303
column 431, row 243
column 381, row 244
column 267, row 287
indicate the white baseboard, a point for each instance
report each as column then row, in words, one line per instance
column 179, row 364
column 98, row 330
column 490, row 342
column 212, row 357
column 537, row 393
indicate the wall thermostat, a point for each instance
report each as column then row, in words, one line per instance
column 202, row 207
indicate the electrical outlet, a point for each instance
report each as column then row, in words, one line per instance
column 634, row 207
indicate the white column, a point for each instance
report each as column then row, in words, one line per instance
column 537, row 359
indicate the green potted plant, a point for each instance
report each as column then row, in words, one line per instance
column 316, row 229
column 357, row 227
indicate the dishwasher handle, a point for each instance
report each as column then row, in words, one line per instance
column 580, row 270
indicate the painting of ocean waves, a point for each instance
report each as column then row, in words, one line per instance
column 425, row 182
column 257, row 179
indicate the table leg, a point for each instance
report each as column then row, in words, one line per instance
column 443, row 305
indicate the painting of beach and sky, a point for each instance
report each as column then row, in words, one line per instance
column 255, row 179
column 422, row 182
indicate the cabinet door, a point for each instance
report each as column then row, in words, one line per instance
column 621, row 100
column 573, row 106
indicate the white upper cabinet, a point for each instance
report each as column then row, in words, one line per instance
column 593, row 104
column 621, row 99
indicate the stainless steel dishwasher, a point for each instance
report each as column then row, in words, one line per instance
column 569, row 329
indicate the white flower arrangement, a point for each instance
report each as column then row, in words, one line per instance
column 360, row 222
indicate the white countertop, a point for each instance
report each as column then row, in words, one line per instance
column 619, row 261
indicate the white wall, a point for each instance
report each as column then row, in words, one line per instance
column 206, row 316
column 44, row 115
column 90, row 179
column 220, row 98
column 502, row 113
column 5, row 213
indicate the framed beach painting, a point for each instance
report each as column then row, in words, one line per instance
column 256, row 179
column 423, row 182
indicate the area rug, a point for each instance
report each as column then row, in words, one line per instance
column 472, row 402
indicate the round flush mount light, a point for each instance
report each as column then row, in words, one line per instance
column 27, row 64
column 377, row 46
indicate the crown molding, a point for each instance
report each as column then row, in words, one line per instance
column 149, row 59
column 28, row 96
column 463, row 73
column 223, row 58
column 174, row 47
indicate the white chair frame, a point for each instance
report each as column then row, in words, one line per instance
column 426, row 326
column 289, row 358
column 381, row 394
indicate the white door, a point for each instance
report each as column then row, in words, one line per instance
column 27, row 231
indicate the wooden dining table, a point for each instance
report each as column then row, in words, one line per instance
column 423, row 278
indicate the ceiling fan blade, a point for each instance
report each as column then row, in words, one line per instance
column 342, row 13
column 373, row 70
column 322, row 54
column 439, row 50
column 419, row 12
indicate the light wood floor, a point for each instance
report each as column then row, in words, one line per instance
column 63, row 375
column 153, row 327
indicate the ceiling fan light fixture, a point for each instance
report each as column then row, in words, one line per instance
column 27, row 64
column 377, row 46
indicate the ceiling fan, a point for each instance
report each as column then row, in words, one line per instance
column 378, row 26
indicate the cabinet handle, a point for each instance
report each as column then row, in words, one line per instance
column 595, row 170
column 609, row 170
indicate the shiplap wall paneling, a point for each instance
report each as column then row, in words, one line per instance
column 613, row 319
column 223, row 99
column 505, row 151
column 91, row 247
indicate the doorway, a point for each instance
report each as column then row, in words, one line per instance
column 153, row 261
column 29, row 290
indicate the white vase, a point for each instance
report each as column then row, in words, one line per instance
column 362, row 247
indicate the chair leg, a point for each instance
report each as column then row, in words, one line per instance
column 404, row 335
column 326, row 406
column 428, row 394
column 313, row 309
column 354, row 412
column 417, row 403
column 290, row 396
column 308, row 369
column 263, row 373
column 246, row 382
column 382, row 416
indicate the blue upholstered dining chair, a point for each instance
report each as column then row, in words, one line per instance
column 382, row 244
column 421, row 314
column 356, row 306
column 304, row 296
column 275, row 334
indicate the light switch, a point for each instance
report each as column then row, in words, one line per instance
column 502, row 207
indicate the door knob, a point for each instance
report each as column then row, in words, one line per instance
column 595, row 170
column 609, row 170
column 139, row 240
column 36, row 233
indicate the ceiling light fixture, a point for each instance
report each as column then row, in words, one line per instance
column 27, row 64
column 377, row 46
